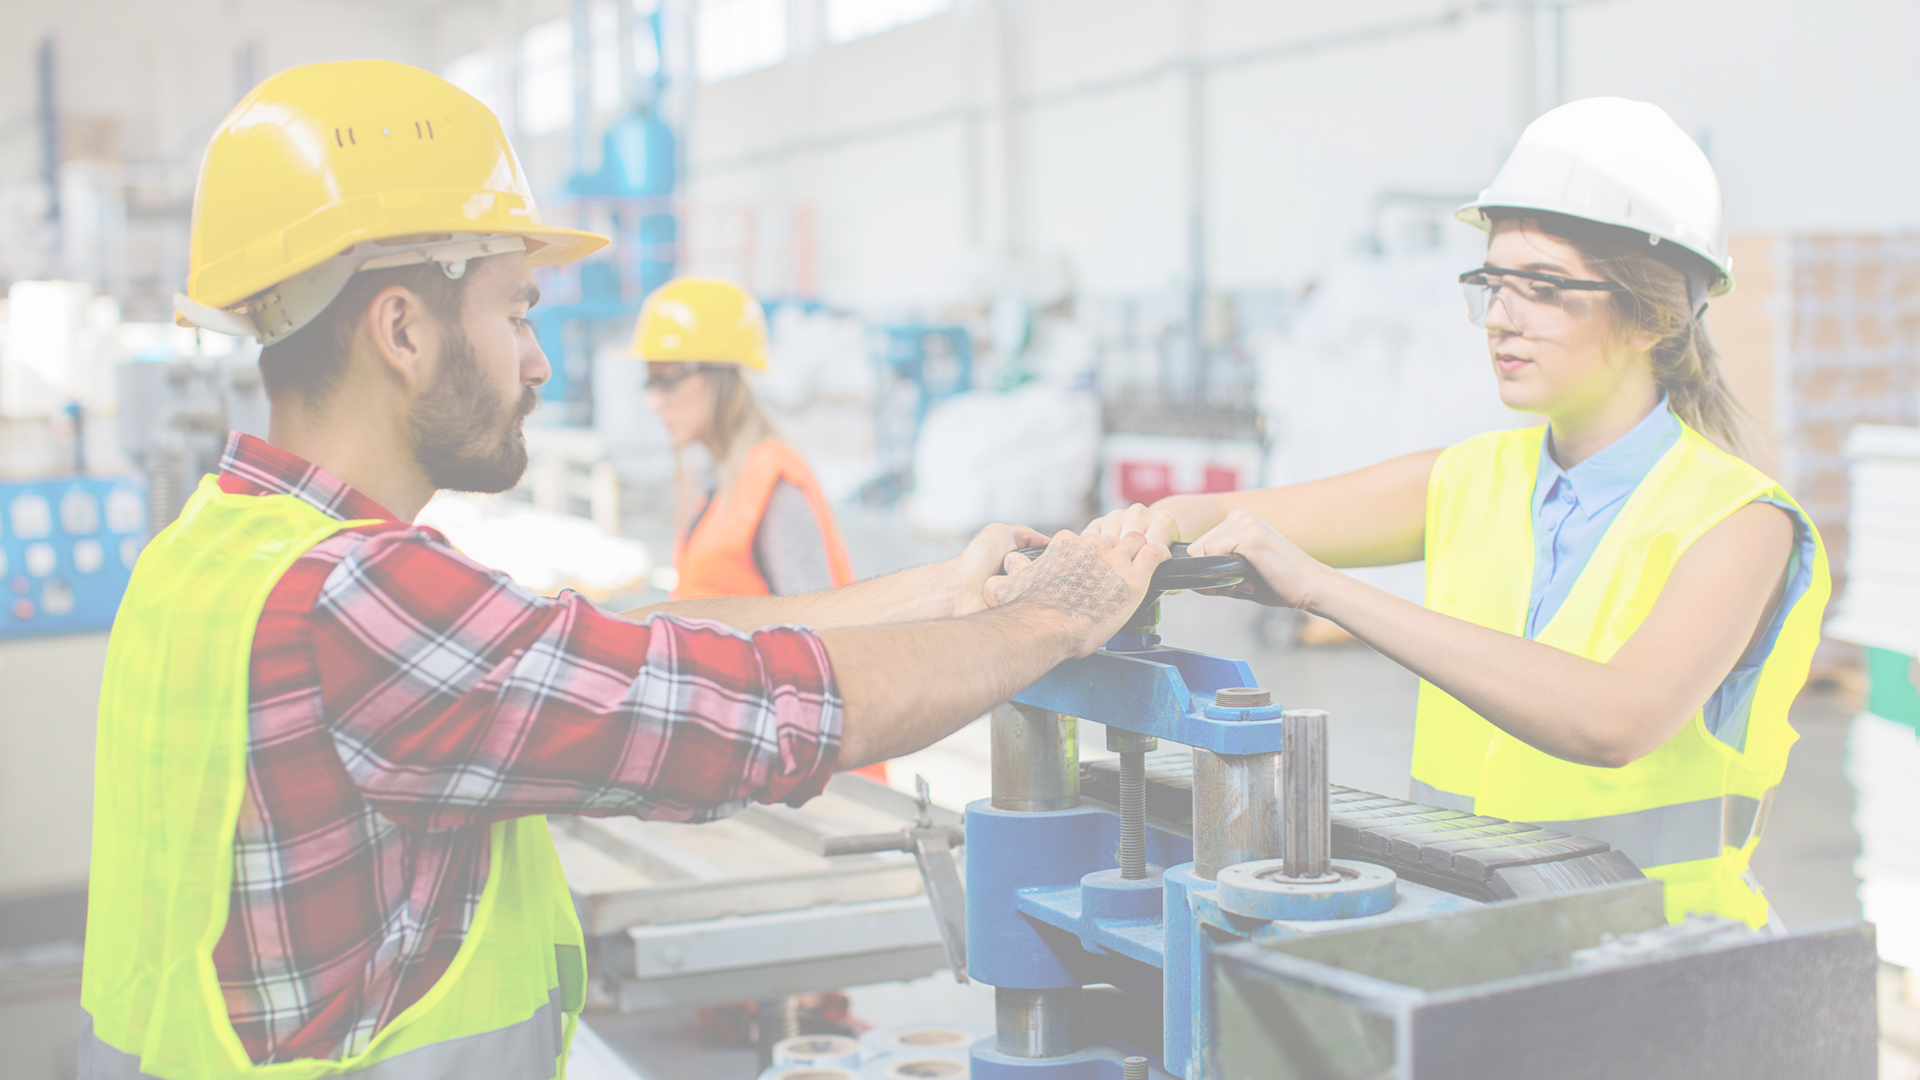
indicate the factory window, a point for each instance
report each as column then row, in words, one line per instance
column 546, row 77
column 608, row 95
column 849, row 19
column 733, row 37
column 475, row 74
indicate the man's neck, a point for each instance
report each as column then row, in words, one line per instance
column 361, row 450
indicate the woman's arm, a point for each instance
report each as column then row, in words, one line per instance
column 1376, row 516
column 1606, row 714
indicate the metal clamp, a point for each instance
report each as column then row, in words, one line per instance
column 932, row 847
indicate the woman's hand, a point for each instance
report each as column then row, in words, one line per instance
column 1289, row 576
column 1135, row 518
column 1187, row 516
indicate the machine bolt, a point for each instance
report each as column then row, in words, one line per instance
column 1132, row 748
column 1243, row 697
column 1133, row 1068
column 1306, row 827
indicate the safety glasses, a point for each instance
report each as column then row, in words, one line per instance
column 664, row 377
column 1529, row 297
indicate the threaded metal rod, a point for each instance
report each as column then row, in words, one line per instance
column 1133, row 1068
column 1306, row 831
column 1133, row 815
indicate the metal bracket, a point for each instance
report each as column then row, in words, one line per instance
column 1165, row 693
column 932, row 847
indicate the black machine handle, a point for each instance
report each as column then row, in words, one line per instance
column 1185, row 571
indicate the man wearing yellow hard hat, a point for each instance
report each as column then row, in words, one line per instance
column 327, row 739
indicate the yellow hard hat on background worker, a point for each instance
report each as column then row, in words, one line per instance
column 329, row 169
column 700, row 320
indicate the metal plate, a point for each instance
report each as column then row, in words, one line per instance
column 625, row 872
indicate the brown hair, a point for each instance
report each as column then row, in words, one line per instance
column 739, row 424
column 1685, row 363
column 312, row 360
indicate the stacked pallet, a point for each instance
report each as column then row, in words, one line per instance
column 1881, row 604
column 1881, row 610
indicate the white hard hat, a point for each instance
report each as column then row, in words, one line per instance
column 1617, row 162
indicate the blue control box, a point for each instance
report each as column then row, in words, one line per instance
column 67, row 549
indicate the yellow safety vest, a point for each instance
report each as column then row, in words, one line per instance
column 169, row 776
column 1690, row 812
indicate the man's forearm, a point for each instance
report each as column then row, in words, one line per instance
column 916, row 595
column 907, row 686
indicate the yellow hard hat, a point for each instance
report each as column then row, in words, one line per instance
column 702, row 320
column 327, row 169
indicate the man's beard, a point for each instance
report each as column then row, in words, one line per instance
column 463, row 436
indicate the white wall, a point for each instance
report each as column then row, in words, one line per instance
column 936, row 154
column 168, row 70
column 924, row 179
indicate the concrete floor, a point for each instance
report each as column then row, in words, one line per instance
column 1805, row 862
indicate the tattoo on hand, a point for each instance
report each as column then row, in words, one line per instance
column 1073, row 579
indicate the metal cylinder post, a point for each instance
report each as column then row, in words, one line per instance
column 1133, row 1068
column 1306, row 831
column 1236, row 810
column 1036, row 759
column 1037, row 1023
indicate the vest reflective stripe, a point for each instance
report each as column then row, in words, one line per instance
column 716, row 559
column 523, row 1051
column 1655, row 837
column 1663, row 835
column 1690, row 812
column 1423, row 792
column 170, row 776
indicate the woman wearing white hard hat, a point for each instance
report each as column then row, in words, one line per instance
column 1619, row 610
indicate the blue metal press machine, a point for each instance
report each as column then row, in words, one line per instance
column 1215, row 908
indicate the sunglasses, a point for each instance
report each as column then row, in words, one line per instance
column 664, row 377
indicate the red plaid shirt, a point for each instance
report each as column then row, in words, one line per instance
column 403, row 697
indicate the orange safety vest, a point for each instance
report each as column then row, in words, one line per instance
column 716, row 557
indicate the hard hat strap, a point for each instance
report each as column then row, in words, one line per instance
column 276, row 313
column 1698, row 285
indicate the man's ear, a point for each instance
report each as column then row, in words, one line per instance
column 401, row 336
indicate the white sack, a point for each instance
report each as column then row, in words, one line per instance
column 1025, row 457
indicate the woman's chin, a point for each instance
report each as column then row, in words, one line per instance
column 1521, row 396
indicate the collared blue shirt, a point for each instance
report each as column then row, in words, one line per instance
column 1573, row 507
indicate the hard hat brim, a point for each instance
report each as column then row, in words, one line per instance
column 323, row 239
column 1475, row 214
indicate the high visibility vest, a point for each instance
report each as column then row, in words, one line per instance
column 170, row 773
column 716, row 557
column 1691, row 811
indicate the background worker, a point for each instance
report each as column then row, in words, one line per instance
column 1618, row 611
column 327, row 738
column 762, row 526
